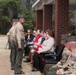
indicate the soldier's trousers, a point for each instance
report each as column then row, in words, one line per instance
column 48, row 70
column 19, row 57
column 13, row 52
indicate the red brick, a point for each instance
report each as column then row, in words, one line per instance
column 47, row 17
column 61, row 18
column 39, row 19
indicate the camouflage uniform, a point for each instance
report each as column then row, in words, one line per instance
column 48, row 68
column 70, row 64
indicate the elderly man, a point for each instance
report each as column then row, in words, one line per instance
column 69, row 68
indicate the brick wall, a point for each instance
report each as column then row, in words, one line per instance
column 61, row 18
column 47, row 17
column 39, row 19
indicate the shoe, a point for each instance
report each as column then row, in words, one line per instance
column 34, row 70
column 27, row 60
column 12, row 68
column 20, row 73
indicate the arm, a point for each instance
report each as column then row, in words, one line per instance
column 18, row 29
column 8, row 34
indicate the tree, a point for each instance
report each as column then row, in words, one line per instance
column 10, row 9
column 71, row 19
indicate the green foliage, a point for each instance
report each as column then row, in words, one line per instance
column 6, row 18
column 10, row 9
column 71, row 19
column 29, row 18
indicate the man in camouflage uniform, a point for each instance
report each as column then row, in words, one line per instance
column 69, row 68
column 71, row 64
column 51, row 67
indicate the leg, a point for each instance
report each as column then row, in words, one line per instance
column 26, row 50
column 31, row 57
column 51, row 73
column 19, row 57
column 47, row 67
column 28, row 57
column 13, row 54
column 36, row 62
column 10, row 50
column 18, row 64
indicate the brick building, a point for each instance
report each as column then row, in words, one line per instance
column 57, row 11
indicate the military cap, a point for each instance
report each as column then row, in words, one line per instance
column 15, row 20
column 20, row 16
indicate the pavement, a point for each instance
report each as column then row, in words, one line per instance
column 5, row 62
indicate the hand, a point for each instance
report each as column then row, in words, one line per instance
column 36, row 44
column 20, row 47
column 32, row 51
column 38, row 52
column 60, row 72
column 54, row 66
column 30, row 42
column 69, row 34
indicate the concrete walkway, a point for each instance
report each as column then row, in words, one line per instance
column 5, row 63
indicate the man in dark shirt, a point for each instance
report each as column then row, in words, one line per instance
column 28, row 38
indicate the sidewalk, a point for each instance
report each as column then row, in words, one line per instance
column 5, row 63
